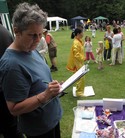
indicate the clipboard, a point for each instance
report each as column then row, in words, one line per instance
column 77, row 75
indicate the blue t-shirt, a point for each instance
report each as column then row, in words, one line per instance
column 23, row 75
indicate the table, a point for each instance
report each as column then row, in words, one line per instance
column 98, row 103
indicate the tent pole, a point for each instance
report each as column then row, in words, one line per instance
column 50, row 26
column 9, row 26
column 3, row 21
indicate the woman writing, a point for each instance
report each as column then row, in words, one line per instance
column 24, row 76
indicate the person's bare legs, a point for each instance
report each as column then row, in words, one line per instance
column 54, row 64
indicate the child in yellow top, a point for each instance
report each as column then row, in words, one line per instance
column 76, row 59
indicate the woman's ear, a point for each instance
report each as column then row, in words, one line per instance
column 16, row 31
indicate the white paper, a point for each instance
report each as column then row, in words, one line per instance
column 85, row 125
column 85, row 112
column 88, row 91
column 81, row 72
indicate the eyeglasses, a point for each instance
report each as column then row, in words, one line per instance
column 35, row 36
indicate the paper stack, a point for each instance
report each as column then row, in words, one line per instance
column 88, row 91
column 85, row 125
column 85, row 119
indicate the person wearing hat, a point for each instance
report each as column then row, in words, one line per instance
column 52, row 49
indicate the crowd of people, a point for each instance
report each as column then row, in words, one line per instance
column 113, row 49
column 109, row 49
column 111, row 46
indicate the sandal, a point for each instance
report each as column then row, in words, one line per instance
column 111, row 64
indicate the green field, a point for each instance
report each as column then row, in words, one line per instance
column 108, row 83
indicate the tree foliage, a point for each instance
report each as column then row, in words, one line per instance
column 112, row 9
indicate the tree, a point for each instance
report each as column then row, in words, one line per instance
column 112, row 9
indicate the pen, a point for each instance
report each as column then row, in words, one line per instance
column 45, row 82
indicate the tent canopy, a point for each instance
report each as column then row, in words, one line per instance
column 4, row 15
column 57, row 21
column 3, row 6
column 75, row 21
column 100, row 18
column 78, row 18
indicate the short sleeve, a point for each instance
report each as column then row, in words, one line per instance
column 48, row 39
column 16, row 86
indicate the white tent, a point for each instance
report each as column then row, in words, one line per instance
column 57, row 21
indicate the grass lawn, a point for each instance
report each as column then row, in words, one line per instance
column 108, row 83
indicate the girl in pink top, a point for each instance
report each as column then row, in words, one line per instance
column 88, row 49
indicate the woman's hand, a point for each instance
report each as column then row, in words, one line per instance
column 35, row 101
column 52, row 90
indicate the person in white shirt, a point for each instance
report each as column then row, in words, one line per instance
column 122, row 48
column 116, row 41
column 42, row 47
column 93, row 28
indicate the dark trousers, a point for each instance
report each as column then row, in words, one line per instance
column 8, row 123
column 107, row 52
column 54, row 133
